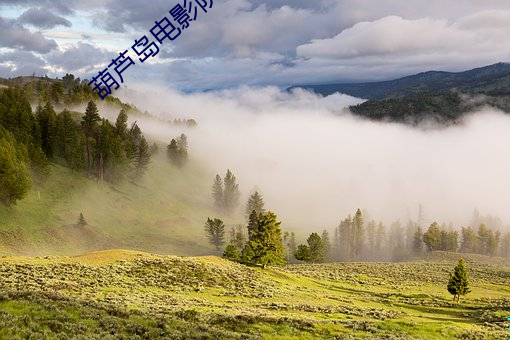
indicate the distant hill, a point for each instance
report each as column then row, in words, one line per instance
column 438, row 96
column 489, row 79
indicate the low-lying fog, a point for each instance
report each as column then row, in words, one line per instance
column 315, row 163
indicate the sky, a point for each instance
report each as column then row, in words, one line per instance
column 255, row 42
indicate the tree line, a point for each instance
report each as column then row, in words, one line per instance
column 357, row 240
column 83, row 142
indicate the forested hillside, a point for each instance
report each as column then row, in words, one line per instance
column 72, row 181
column 443, row 97
column 82, row 142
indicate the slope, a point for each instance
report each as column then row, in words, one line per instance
column 165, row 212
column 140, row 295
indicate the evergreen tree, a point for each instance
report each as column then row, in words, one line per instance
column 253, row 225
column 217, row 193
column 143, row 158
column 14, row 176
column 316, row 247
column 67, row 140
column 487, row 240
column 232, row 253
column 432, row 237
column 505, row 245
column 255, row 203
column 289, row 241
column 371, row 238
column 451, row 242
column 132, row 141
column 247, row 254
column 418, row 241
column 458, row 284
column 16, row 115
column 381, row 241
column 230, row 192
column 493, row 242
column 177, row 151
column 326, row 243
column 357, row 234
column 46, row 119
column 345, row 231
column 121, row 126
column 182, row 142
column 303, row 253
column 336, row 245
column 89, row 122
column 470, row 243
column 154, row 149
column 266, row 241
column 215, row 230
column 81, row 221
column 396, row 236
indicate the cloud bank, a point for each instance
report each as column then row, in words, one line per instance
column 314, row 163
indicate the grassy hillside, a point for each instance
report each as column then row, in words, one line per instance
column 165, row 213
column 114, row 294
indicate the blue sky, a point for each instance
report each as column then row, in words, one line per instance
column 255, row 42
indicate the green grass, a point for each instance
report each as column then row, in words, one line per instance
column 164, row 213
column 138, row 295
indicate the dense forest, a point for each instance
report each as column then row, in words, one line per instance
column 84, row 142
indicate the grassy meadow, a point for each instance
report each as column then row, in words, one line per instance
column 163, row 213
column 135, row 295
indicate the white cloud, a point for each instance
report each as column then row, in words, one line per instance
column 429, row 42
column 314, row 163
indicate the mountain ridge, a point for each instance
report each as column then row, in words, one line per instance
column 486, row 79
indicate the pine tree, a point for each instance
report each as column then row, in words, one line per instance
column 336, row 245
column 357, row 233
column 418, row 241
column 458, row 284
column 470, row 243
column 14, row 175
column 215, row 230
column 89, row 122
column 432, row 237
column 177, row 151
column 345, row 233
column 247, row 254
column 81, row 221
column 232, row 253
column 289, row 240
column 67, row 139
column 46, row 118
column 266, row 241
column 143, row 158
column 231, row 192
column 505, row 245
column 253, row 225
column 121, row 126
column 381, row 241
column 316, row 247
column 217, row 193
column 326, row 243
column 371, row 238
column 255, row 203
